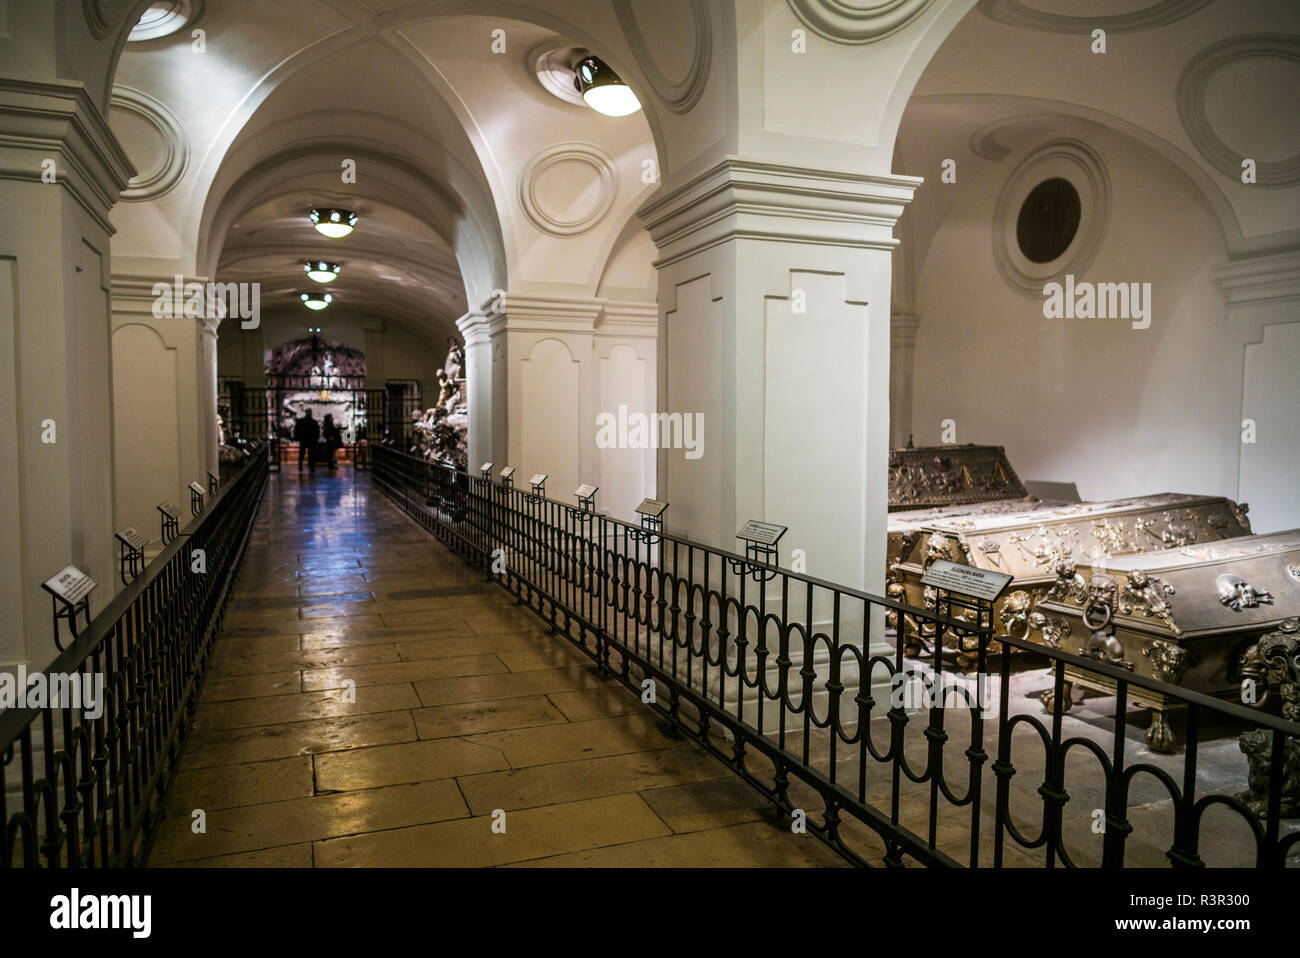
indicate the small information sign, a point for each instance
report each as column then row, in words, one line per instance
column 966, row 580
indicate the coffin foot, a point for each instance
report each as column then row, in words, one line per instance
column 1160, row 736
column 1048, row 698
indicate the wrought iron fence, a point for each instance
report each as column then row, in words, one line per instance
column 781, row 676
column 89, row 788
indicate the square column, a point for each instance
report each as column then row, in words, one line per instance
column 64, row 170
column 775, row 326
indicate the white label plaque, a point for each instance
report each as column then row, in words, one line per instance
column 652, row 508
column 197, row 488
column 508, row 472
column 486, row 467
column 765, row 533
column 585, row 491
column 965, row 580
column 71, row 585
column 133, row 537
column 169, row 510
column 538, row 479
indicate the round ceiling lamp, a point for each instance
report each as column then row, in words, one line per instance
column 602, row 89
column 333, row 223
column 316, row 301
column 321, row 272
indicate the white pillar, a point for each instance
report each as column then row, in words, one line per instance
column 485, row 382
column 164, row 398
column 63, row 172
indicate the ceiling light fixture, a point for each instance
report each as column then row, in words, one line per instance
column 333, row 223
column 602, row 89
column 316, row 300
column 321, row 271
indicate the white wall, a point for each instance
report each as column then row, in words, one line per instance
column 1119, row 411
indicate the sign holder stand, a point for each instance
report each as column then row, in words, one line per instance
column 196, row 498
column 213, row 484
column 651, row 512
column 538, row 484
column 171, row 521
column 69, row 596
column 761, row 549
column 508, row 477
column 965, row 589
column 130, row 557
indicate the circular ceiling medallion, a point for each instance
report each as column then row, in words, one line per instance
column 1194, row 85
column 164, row 18
column 682, row 93
column 554, row 68
column 1145, row 15
column 566, row 189
column 857, row 21
column 1051, row 217
column 156, row 144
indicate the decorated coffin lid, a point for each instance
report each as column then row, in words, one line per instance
column 1030, row 544
column 1250, row 583
column 920, row 518
column 950, row 475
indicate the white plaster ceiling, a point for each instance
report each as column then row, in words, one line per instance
column 471, row 176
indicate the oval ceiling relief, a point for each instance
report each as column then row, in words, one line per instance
column 857, row 21
column 566, row 189
column 1228, row 131
column 1065, row 179
column 679, row 84
column 152, row 138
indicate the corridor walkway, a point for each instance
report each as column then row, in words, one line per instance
column 373, row 702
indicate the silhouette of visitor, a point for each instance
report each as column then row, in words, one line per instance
column 305, row 433
column 333, row 439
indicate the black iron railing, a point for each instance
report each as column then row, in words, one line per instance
column 773, row 672
column 80, row 789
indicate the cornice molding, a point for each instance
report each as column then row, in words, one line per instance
column 1260, row 279
column 747, row 199
column 50, row 119
column 521, row 312
column 902, row 329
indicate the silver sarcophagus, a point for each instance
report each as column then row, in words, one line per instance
column 1193, row 617
column 1040, row 545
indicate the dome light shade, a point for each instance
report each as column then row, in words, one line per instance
column 333, row 223
column 316, row 300
column 602, row 89
column 321, row 271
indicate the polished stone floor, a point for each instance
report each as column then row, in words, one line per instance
column 372, row 702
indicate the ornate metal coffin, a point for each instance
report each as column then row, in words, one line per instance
column 939, row 483
column 937, row 476
column 1042, row 544
column 1202, row 617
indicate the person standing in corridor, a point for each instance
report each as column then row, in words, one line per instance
column 305, row 433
